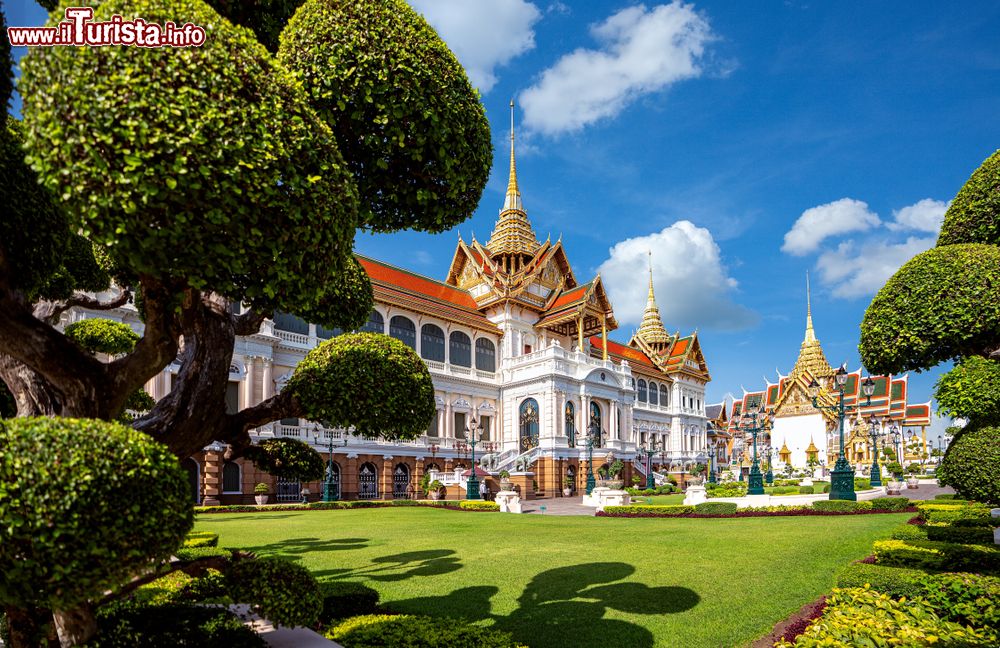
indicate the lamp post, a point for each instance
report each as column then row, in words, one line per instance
column 329, row 484
column 473, row 432
column 593, row 429
column 769, row 476
column 896, row 439
column 649, row 449
column 755, row 420
column 873, row 434
column 711, row 465
column 842, row 477
column 740, row 468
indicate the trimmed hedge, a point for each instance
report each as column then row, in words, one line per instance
column 201, row 539
column 895, row 581
column 647, row 510
column 970, row 599
column 344, row 599
column 477, row 505
column 127, row 625
column 281, row 591
column 328, row 506
column 890, row 503
column 908, row 532
column 716, row 508
column 960, row 534
column 842, row 506
column 948, row 496
column 937, row 556
column 806, row 490
column 194, row 553
column 972, row 464
column 937, row 514
column 380, row 630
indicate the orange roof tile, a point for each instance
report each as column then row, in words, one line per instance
column 569, row 296
column 627, row 352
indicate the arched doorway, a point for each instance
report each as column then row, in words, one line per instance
column 288, row 490
column 193, row 471
column 529, row 424
column 571, row 478
column 401, row 482
column 596, row 425
column 367, row 481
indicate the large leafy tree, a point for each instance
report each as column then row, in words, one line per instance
column 944, row 305
column 207, row 177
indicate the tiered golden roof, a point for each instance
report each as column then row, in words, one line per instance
column 512, row 234
column 811, row 357
column 651, row 330
column 812, row 449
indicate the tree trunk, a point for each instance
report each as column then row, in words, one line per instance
column 30, row 628
column 76, row 626
column 33, row 395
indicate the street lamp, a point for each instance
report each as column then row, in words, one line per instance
column 711, row 465
column 769, row 476
column 649, row 449
column 896, row 439
column 873, row 434
column 329, row 484
column 593, row 430
column 755, row 420
column 842, row 477
column 473, row 431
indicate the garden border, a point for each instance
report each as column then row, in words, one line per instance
column 339, row 506
column 744, row 514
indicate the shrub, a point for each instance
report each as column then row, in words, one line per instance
column 989, row 522
column 84, row 505
column 281, row 591
column 864, row 617
column 289, row 458
column 945, row 496
column 908, row 532
column 826, row 488
column 100, row 335
column 937, row 514
column 969, row 599
column 936, row 556
column 972, row 465
column 841, row 506
column 261, row 489
column 194, row 553
column 960, row 534
column 806, row 490
column 378, row 630
column 649, row 510
column 716, row 508
column 860, row 483
column 201, row 539
column 730, row 489
column 894, row 581
column 666, row 489
column 890, row 503
column 343, row 599
column 476, row 505
column 127, row 625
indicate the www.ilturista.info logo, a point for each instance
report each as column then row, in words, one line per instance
column 80, row 29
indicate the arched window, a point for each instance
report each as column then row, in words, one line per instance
column 404, row 330
column 642, row 390
column 486, row 355
column 367, row 481
column 232, row 480
column 401, row 481
column 529, row 424
column 596, row 424
column 653, row 393
column 460, row 349
column 288, row 490
column 291, row 323
column 571, row 424
column 664, row 396
column 375, row 323
column 432, row 343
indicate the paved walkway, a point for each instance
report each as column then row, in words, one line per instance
column 557, row 506
column 925, row 491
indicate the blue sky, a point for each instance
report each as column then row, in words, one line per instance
column 743, row 143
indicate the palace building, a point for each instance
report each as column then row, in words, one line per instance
column 802, row 435
column 513, row 340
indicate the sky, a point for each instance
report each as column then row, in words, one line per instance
column 743, row 144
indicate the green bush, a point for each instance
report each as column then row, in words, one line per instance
column 826, row 488
column 971, row 391
column 100, row 335
column 84, row 505
column 989, row 522
column 861, row 483
column 194, row 553
column 908, row 532
column 343, row 599
column 864, row 617
column 945, row 496
column 379, row 630
column 641, row 510
column 281, row 591
column 476, row 505
column 969, row 599
column 938, row 514
column 974, row 214
column 730, row 489
column 936, row 556
column 890, row 503
column 289, row 458
column 201, row 539
column 960, row 534
column 972, row 465
column 894, row 581
column 806, row 490
column 127, row 625
column 841, row 506
column 716, row 508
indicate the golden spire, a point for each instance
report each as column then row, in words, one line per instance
column 513, row 233
column 811, row 355
column 652, row 331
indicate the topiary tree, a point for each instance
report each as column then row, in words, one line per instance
column 971, row 391
column 84, row 506
column 972, row 465
column 229, row 187
column 281, row 591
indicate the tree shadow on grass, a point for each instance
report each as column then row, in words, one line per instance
column 566, row 606
column 398, row 567
column 295, row 548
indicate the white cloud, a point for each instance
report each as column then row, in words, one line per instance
column 483, row 34
column 692, row 286
column 853, row 270
column 925, row 216
column 818, row 223
column 642, row 51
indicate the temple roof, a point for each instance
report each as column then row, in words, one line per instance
column 512, row 234
column 651, row 330
column 811, row 357
column 621, row 351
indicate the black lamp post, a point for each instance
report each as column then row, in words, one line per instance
column 897, row 438
column 873, row 434
column 842, row 477
column 329, row 484
column 649, row 449
column 769, row 475
column 474, row 431
column 711, row 465
column 755, row 421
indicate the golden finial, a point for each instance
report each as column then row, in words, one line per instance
column 810, row 333
column 651, row 329
column 512, row 233
column 513, row 198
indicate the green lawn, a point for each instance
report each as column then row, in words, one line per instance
column 572, row 581
column 675, row 498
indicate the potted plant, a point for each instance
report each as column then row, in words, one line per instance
column 567, row 486
column 505, row 483
column 611, row 475
column 260, row 493
column 912, row 481
column 435, row 488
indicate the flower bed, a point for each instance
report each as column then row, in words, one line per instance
column 453, row 505
column 762, row 511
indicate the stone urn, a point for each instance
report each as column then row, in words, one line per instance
column 613, row 484
column 260, row 499
column 435, row 494
column 912, row 482
column 893, row 487
column 506, row 484
column 567, row 492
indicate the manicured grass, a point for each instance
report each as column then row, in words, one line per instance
column 675, row 498
column 572, row 581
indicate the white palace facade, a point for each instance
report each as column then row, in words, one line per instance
column 511, row 338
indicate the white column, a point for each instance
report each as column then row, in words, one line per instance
column 268, row 391
column 561, row 414
column 248, row 383
column 449, row 419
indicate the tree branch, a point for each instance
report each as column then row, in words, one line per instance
column 49, row 311
column 195, row 568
